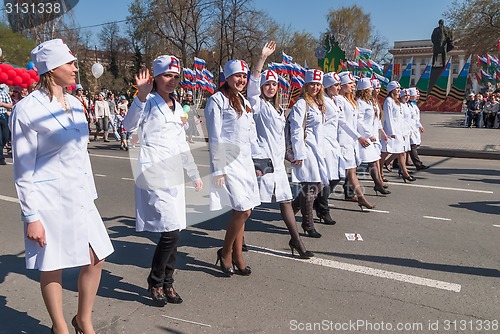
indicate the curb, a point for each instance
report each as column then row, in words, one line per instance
column 442, row 152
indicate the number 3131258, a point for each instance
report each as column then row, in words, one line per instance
column 33, row 8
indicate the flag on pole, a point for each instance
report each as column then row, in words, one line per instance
column 362, row 53
column 377, row 68
column 456, row 96
column 222, row 79
column 199, row 63
column 286, row 59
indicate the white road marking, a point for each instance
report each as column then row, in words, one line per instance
column 127, row 179
column 363, row 270
column 373, row 210
column 100, row 175
column 437, row 218
column 496, row 225
column 441, row 188
column 111, row 156
column 188, row 321
column 9, row 199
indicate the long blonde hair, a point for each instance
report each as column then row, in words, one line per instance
column 319, row 101
column 46, row 81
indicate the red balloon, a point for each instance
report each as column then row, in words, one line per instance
column 4, row 67
column 32, row 73
column 19, row 70
column 24, row 85
column 12, row 74
column 17, row 81
column 37, row 78
column 3, row 77
column 25, row 76
column 9, row 82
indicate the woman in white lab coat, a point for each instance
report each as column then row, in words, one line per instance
column 368, row 127
column 416, row 129
column 270, row 123
column 381, row 136
column 232, row 140
column 350, row 147
column 404, row 98
column 55, row 186
column 307, row 138
column 394, row 128
column 159, row 180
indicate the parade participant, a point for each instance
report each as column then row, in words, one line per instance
column 307, row 138
column 394, row 128
column 404, row 99
column 378, row 124
column 333, row 119
column 416, row 129
column 159, row 185
column 193, row 117
column 232, row 138
column 56, row 189
column 270, row 122
column 368, row 127
column 349, row 146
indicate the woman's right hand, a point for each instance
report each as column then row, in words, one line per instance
column 268, row 49
column 219, row 180
column 36, row 232
column 363, row 141
column 144, row 83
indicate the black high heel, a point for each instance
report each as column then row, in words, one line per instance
column 228, row 271
column 387, row 168
column 302, row 254
column 243, row 272
column 381, row 190
column 312, row 233
column 409, row 178
column 78, row 330
column 326, row 218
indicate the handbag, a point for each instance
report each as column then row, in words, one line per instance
column 264, row 165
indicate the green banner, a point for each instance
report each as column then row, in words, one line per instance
column 329, row 55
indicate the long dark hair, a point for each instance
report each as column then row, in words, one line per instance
column 234, row 99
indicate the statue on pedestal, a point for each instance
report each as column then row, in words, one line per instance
column 442, row 42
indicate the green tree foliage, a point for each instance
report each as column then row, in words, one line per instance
column 15, row 48
column 476, row 25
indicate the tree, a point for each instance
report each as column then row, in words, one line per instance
column 352, row 27
column 476, row 25
column 15, row 48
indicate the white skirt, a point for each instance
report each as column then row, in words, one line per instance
column 369, row 154
column 393, row 145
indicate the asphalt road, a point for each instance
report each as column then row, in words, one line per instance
column 428, row 261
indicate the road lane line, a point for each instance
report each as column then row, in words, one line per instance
column 373, row 210
column 127, row 179
column 363, row 270
column 100, row 175
column 441, row 188
column 188, row 321
column 9, row 199
column 437, row 218
column 496, row 225
column 111, row 156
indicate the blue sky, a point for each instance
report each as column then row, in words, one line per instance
column 394, row 20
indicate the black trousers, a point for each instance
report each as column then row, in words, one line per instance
column 414, row 155
column 321, row 201
column 163, row 266
column 4, row 133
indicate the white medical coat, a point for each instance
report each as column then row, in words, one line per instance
column 393, row 126
column 55, row 184
column 159, row 180
column 232, row 140
column 270, row 125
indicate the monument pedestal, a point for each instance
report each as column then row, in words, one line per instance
column 435, row 73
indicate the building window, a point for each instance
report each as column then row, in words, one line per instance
column 412, row 82
column 423, row 62
column 412, row 71
column 455, row 69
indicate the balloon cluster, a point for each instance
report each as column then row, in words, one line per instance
column 18, row 76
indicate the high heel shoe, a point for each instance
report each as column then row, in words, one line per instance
column 228, row 271
column 351, row 198
column 312, row 233
column 78, row 330
column 243, row 272
column 409, row 178
column 381, row 190
column 362, row 202
column 387, row 168
column 325, row 218
column 385, row 179
column 302, row 254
